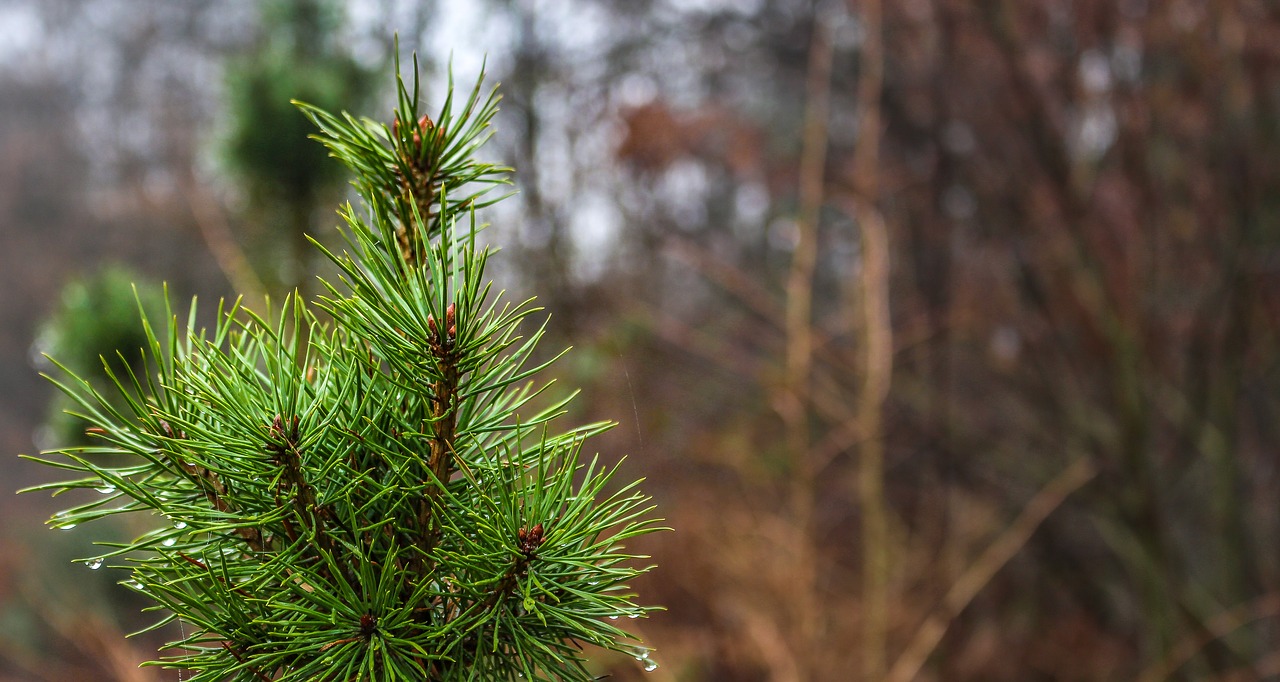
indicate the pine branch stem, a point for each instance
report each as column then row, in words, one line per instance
column 209, row 483
column 444, row 420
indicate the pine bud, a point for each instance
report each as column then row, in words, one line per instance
column 529, row 540
column 424, row 126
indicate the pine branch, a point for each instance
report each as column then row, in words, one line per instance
column 374, row 497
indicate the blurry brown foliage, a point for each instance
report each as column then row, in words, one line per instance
column 1082, row 209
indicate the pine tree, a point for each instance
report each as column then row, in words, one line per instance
column 372, row 486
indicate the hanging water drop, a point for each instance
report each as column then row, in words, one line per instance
column 613, row 618
column 168, row 542
column 650, row 665
column 94, row 564
column 179, row 524
column 106, row 489
column 633, row 615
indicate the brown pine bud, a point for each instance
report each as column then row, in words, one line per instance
column 529, row 540
column 431, row 324
column 424, row 127
column 449, row 315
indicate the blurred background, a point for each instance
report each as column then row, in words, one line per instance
column 945, row 332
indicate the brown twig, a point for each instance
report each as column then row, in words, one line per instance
column 215, row 491
column 217, row 234
column 99, row 640
column 794, row 401
column 236, row 654
column 877, row 342
column 979, row 573
column 743, row 286
column 1219, row 626
column 766, row 639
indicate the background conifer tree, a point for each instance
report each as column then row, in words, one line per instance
column 284, row 177
column 382, row 496
column 96, row 316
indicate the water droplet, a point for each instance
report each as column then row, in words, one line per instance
column 106, row 489
column 613, row 618
column 593, row 582
column 136, row 585
column 168, row 542
column 94, row 564
column 633, row 615
column 650, row 665
column 179, row 524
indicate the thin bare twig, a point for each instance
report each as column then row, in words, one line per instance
column 794, row 401
column 768, row 642
column 100, row 642
column 222, row 244
column 743, row 286
column 1221, row 625
column 877, row 341
column 1265, row 668
column 979, row 573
